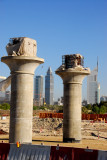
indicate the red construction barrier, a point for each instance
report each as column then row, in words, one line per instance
column 94, row 116
column 60, row 153
column 85, row 154
column 4, row 151
column 84, row 116
column 50, row 115
column 26, row 151
column 68, row 153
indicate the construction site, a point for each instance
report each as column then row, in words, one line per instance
column 49, row 132
column 70, row 135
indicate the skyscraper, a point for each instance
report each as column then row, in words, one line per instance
column 93, row 87
column 49, row 87
column 38, row 90
column 2, row 93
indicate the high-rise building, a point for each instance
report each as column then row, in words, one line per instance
column 49, row 87
column 93, row 87
column 103, row 98
column 2, row 93
column 7, row 95
column 38, row 90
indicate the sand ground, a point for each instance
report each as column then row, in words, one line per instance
column 50, row 132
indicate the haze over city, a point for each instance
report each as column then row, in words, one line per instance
column 59, row 27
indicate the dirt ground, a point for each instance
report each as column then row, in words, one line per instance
column 49, row 131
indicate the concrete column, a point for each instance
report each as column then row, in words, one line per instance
column 72, row 109
column 22, row 61
column 72, row 80
column 22, row 71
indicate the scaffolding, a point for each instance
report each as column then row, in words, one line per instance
column 70, row 61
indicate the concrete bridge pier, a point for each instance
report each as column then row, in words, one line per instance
column 72, row 73
column 22, row 72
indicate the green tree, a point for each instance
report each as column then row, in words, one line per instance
column 58, row 108
column 102, row 109
column 89, row 107
column 95, row 109
column 5, row 106
column 84, row 110
column 35, row 107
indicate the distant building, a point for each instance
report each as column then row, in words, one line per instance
column 38, row 90
column 59, row 102
column 49, row 87
column 93, row 87
column 7, row 96
column 2, row 78
column 2, row 93
column 103, row 98
column 84, row 102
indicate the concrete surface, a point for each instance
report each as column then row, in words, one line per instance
column 72, row 80
column 22, row 71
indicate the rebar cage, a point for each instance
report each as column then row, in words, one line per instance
column 69, row 60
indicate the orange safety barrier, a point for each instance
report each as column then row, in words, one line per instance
column 50, row 115
column 84, row 116
column 94, row 116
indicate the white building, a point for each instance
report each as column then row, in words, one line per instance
column 2, row 93
column 8, row 95
column 59, row 102
column 93, row 88
column 103, row 98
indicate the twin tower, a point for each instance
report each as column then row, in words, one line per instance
column 22, row 61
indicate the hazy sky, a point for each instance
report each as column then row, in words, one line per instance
column 59, row 27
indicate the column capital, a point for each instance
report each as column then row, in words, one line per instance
column 72, row 75
column 22, row 64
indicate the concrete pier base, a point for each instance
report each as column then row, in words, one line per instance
column 71, row 140
column 22, row 71
column 72, row 109
column 72, row 79
column 72, row 105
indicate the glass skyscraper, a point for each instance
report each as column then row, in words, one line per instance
column 38, row 90
column 93, row 88
column 49, row 87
